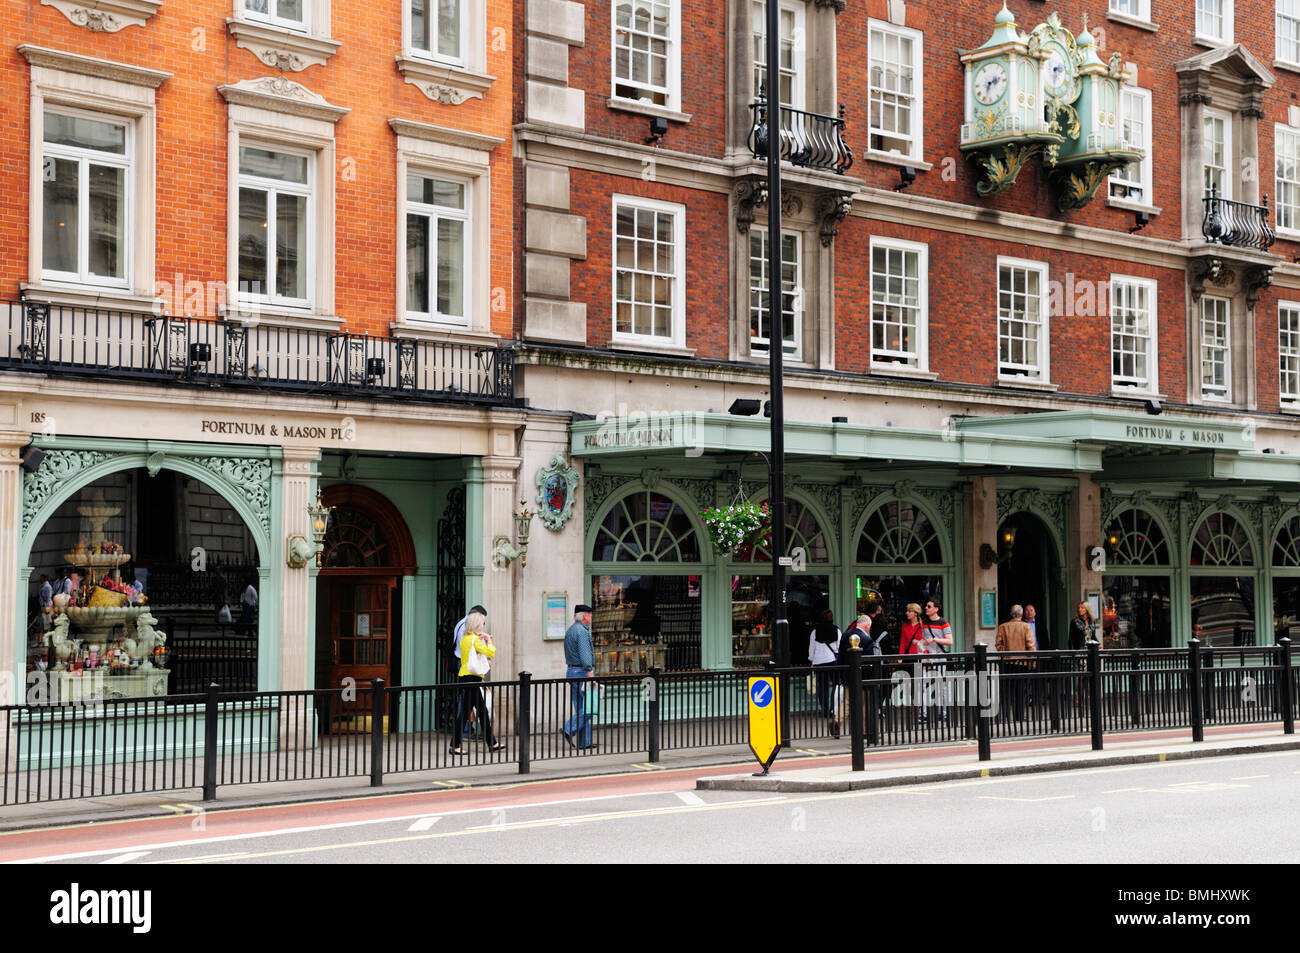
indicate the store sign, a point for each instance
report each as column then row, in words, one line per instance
column 1174, row 436
column 653, row 430
column 285, row 429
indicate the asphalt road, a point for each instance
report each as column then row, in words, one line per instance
column 1227, row 810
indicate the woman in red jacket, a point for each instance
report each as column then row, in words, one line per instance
column 910, row 641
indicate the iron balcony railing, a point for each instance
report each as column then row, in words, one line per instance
column 808, row 140
column 99, row 343
column 1237, row 223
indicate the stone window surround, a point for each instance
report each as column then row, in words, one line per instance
column 106, row 16
column 922, row 250
column 421, row 147
column 1044, row 376
column 279, row 46
column 1280, row 129
column 124, row 92
column 800, row 312
column 273, row 111
column 446, row 81
column 677, row 342
column 674, row 77
column 817, row 265
column 1292, row 402
column 1202, row 39
column 1148, row 164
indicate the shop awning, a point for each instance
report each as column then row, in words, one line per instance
column 695, row 435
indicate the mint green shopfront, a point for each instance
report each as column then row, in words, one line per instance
column 1164, row 538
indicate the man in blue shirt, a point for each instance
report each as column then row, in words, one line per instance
column 580, row 659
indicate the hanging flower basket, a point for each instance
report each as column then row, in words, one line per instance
column 731, row 527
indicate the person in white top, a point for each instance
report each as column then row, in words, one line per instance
column 823, row 652
column 248, row 608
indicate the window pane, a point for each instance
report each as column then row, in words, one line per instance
column 60, row 214
column 252, row 242
column 417, row 263
column 291, row 246
column 419, row 26
column 428, row 191
column 255, row 6
column 272, row 165
column 289, row 10
column 449, row 28
column 107, row 226
column 451, row 267
column 85, row 133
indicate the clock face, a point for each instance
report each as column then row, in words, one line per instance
column 990, row 83
column 1057, row 74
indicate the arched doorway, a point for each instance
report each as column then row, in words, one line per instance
column 900, row 560
column 1030, row 574
column 368, row 549
column 1221, row 578
column 1135, row 608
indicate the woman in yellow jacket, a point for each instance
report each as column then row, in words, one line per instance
column 471, row 697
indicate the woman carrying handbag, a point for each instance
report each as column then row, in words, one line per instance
column 476, row 649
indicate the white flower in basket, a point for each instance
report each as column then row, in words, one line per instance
column 731, row 527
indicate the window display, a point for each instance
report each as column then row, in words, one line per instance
column 639, row 622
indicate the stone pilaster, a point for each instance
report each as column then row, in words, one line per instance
column 296, row 495
column 501, row 496
column 981, row 528
column 13, row 619
column 1085, row 530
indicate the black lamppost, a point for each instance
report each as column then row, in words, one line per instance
column 776, row 335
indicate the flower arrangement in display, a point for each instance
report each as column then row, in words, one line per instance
column 731, row 527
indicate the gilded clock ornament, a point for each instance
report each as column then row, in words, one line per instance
column 990, row 83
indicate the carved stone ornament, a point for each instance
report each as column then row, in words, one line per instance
column 281, row 60
column 1254, row 280
column 836, row 5
column 832, row 209
column 106, row 16
column 252, row 478
column 557, row 491
column 1208, row 269
column 58, row 467
column 447, row 95
column 751, row 192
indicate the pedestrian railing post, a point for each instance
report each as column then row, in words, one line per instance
column 376, row 732
column 1208, row 685
column 210, row 743
column 870, row 706
column 524, row 728
column 1053, row 664
column 984, row 700
column 1194, row 689
column 1134, row 690
column 855, row 709
column 652, row 685
column 1094, row 692
column 1288, row 689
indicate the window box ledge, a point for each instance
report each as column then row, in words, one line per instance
column 106, row 16
column 89, row 296
column 255, row 313
column 1132, row 393
column 901, row 370
column 1209, row 42
column 1289, row 407
column 647, row 109
column 1021, row 383
column 442, row 82
column 1288, row 234
column 650, row 347
column 442, row 334
column 1283, row 64
column 1132, row 206
column 893, row 158
column 280, row 48
column 1131, row 21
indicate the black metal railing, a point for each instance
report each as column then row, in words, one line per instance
column 808, row 140
column 215, row 737
column 1236, row 223
column 101, row 343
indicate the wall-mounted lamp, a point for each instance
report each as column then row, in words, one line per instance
column 658, row 129
column 990, row 557
column 1140, row 221
column 745, row 406
column 298, row 549
column 503, row 551
column 30, row 457
column 906, row 176
column 1153, row 407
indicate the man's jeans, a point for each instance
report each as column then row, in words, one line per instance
column 579, row 725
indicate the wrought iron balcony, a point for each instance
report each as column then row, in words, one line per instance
column 100, row 344
column 1236, row 223
column 808, row 140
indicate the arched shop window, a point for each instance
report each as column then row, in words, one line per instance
column 808, row 591
column 802, row 531
column 1221, row 540
column 1134, row 538
column 1286, row 580
column 1136, row 607
column 899, row 532
column 354, row 540
column 646, row 586
column 643, row 527
column 1223, row 604
column 900, row 559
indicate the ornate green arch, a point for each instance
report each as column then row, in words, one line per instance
column 1220, row 546
column 1050, row 507
column 661, row 488
column 943, row 528
column 1124, row 542
column 819, row 516
column 242, row 478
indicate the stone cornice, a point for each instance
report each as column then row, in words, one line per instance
column 281, row 49
column 451, row 137
column 90, row 66
column 449, row 85
column 277, row 94
column 106, row 16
